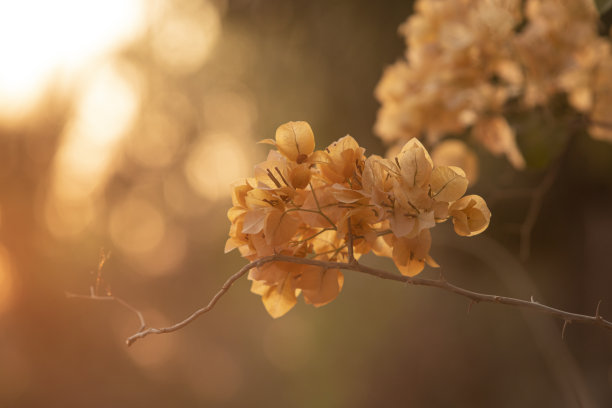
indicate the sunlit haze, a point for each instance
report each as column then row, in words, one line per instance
column 40, row 39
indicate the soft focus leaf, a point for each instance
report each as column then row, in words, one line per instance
column 603, row 5
column 498, row 137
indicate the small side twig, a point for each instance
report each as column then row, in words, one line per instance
column 565, row 323
column 535, row 206
column 349, row 239
column 472, row 303
column 111, row 298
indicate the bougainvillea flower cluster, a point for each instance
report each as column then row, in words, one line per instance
column 306, row 203
column 466, row 61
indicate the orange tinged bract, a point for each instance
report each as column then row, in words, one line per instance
column 415, row 165
column 278, row 299
column 319, row 286
column 448, row 183
column 295, row 141
column 454, row 152
column 470, row 215
column 410, row 254
column 341, row 160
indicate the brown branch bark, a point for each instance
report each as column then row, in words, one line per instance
column 442, row 284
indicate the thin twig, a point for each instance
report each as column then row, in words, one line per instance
column 314, row 196
column 228, row 283
column 565, row 323
column 472, row 303
column 122, row 302
column 356, row 267
column 349, row 241
column 537, row 199
column 535, row 207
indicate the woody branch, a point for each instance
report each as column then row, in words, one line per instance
column 441, row 283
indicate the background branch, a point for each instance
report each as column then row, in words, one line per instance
column 511, row 272
column 535, row 206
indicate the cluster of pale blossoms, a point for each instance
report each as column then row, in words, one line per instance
column 466, row 60
column 309, row 203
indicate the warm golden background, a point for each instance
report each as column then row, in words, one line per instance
column 122, row 124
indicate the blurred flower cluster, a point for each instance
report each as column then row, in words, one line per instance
column 469, row 62
column 313, row 204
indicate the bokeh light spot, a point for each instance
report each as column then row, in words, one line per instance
column 229, row 111
column 105, row 110
column 214, row 163
column 183, row 38
column 136, row 226
column 166, row 258
column 157, row 142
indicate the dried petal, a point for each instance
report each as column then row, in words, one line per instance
column 454, row 152
column 470, row 215
column 346, row 195
column 341, row 160
column 448, row 183
column 295, row 141
column 299, row 177
column 279, row 228
column 415, row 165
column 320, row 286
column 277, row 299
column 254, row 221
column 403, row 223
column 239, row 193
column 231, row 244
column 409, row 254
